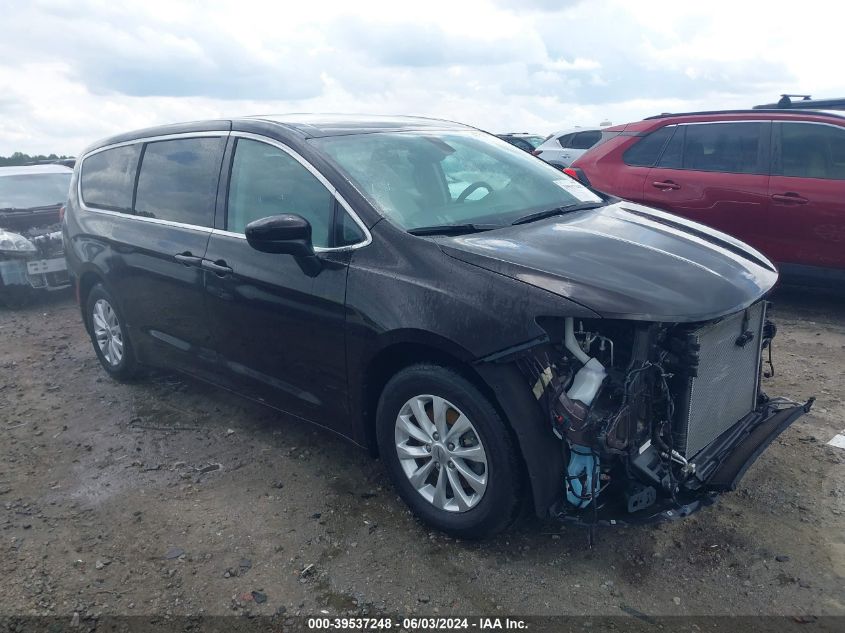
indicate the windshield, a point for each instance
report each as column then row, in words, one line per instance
column 422, row 179
column 24, row 191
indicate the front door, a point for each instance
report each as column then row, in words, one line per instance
column 279, row 326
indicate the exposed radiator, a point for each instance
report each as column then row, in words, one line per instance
column 725, row 389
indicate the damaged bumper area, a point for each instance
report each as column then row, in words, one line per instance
column 731, row 457
column 32, row 259
column 654, row 419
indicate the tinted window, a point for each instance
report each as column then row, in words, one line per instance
column 346, row 231
column 673, row 156
column 565, row 141
column 178, row 180
column 645, row 151
column 268, row 181
column 725, row 147
column 108, row 178
column 520, row 143
column 810, row 150
column 585, row 140
column 25, row 191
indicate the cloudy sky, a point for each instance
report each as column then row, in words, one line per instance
column 74, row 71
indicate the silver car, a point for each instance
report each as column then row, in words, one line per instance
column 562, row 148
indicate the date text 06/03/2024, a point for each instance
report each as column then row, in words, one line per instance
column 417, row 624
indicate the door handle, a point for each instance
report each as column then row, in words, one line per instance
column 188, row 259
column 789, row 198
column 219, row 267
column 665, row 185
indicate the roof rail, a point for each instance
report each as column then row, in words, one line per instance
column 805, row 103
column 772, row 110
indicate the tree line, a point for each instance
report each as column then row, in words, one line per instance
column 20, row 158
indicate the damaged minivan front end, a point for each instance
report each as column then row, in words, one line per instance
column 655, row 419
column 657, row 404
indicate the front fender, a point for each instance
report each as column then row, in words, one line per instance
column 540, row 449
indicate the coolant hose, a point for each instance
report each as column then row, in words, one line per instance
column 571, row 344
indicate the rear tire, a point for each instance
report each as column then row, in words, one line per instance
column 107, row 329
column 466, row 483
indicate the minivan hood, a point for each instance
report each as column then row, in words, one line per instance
column 626, row 261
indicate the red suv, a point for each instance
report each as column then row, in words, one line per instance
column 773, row 178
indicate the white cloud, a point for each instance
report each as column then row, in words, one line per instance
column 72, row 71
column 579, row 63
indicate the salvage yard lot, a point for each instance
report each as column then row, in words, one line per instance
column 170, row 496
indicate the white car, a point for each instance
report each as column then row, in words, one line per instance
column 562, row 148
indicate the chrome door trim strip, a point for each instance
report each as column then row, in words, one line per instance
column 368, row 238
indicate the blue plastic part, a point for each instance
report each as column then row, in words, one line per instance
column 581, row 472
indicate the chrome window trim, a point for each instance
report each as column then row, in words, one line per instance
column 317, row 249
column 130, row 216
column 133, row 216
column 368, row 238
column 790, row 122
column 680, row 123
column 153, row 139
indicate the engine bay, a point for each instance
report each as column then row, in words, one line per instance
column 646, row 413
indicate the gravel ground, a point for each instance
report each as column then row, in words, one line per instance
column 171, row 497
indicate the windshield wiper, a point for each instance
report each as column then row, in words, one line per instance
column 581, row 206
column 453, row 229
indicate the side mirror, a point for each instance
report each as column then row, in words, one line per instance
column 287, row 233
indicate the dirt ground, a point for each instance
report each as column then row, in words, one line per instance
column 171, row 497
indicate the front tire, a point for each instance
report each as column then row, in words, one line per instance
column 449, row 453
column 107, row 329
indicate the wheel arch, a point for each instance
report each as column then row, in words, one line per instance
column 87, row 279
column 503, row 384
column 399, row 350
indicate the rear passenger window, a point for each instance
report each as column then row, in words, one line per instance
column 565, row 141
column 108, row 177
column 812, row 150
column 585, row 140
column 644, row 152
column 726, row 147
column 268, row 181
column 178, row 180
column 673, row 156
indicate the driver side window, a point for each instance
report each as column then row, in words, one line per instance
column 267, row 181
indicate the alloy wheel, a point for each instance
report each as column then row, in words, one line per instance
column 107, row 332
column 441, row 453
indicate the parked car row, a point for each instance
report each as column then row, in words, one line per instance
column 561, row 148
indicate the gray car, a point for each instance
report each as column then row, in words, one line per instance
column 31, row 255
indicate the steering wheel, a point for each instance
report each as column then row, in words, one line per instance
column 478, row 184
